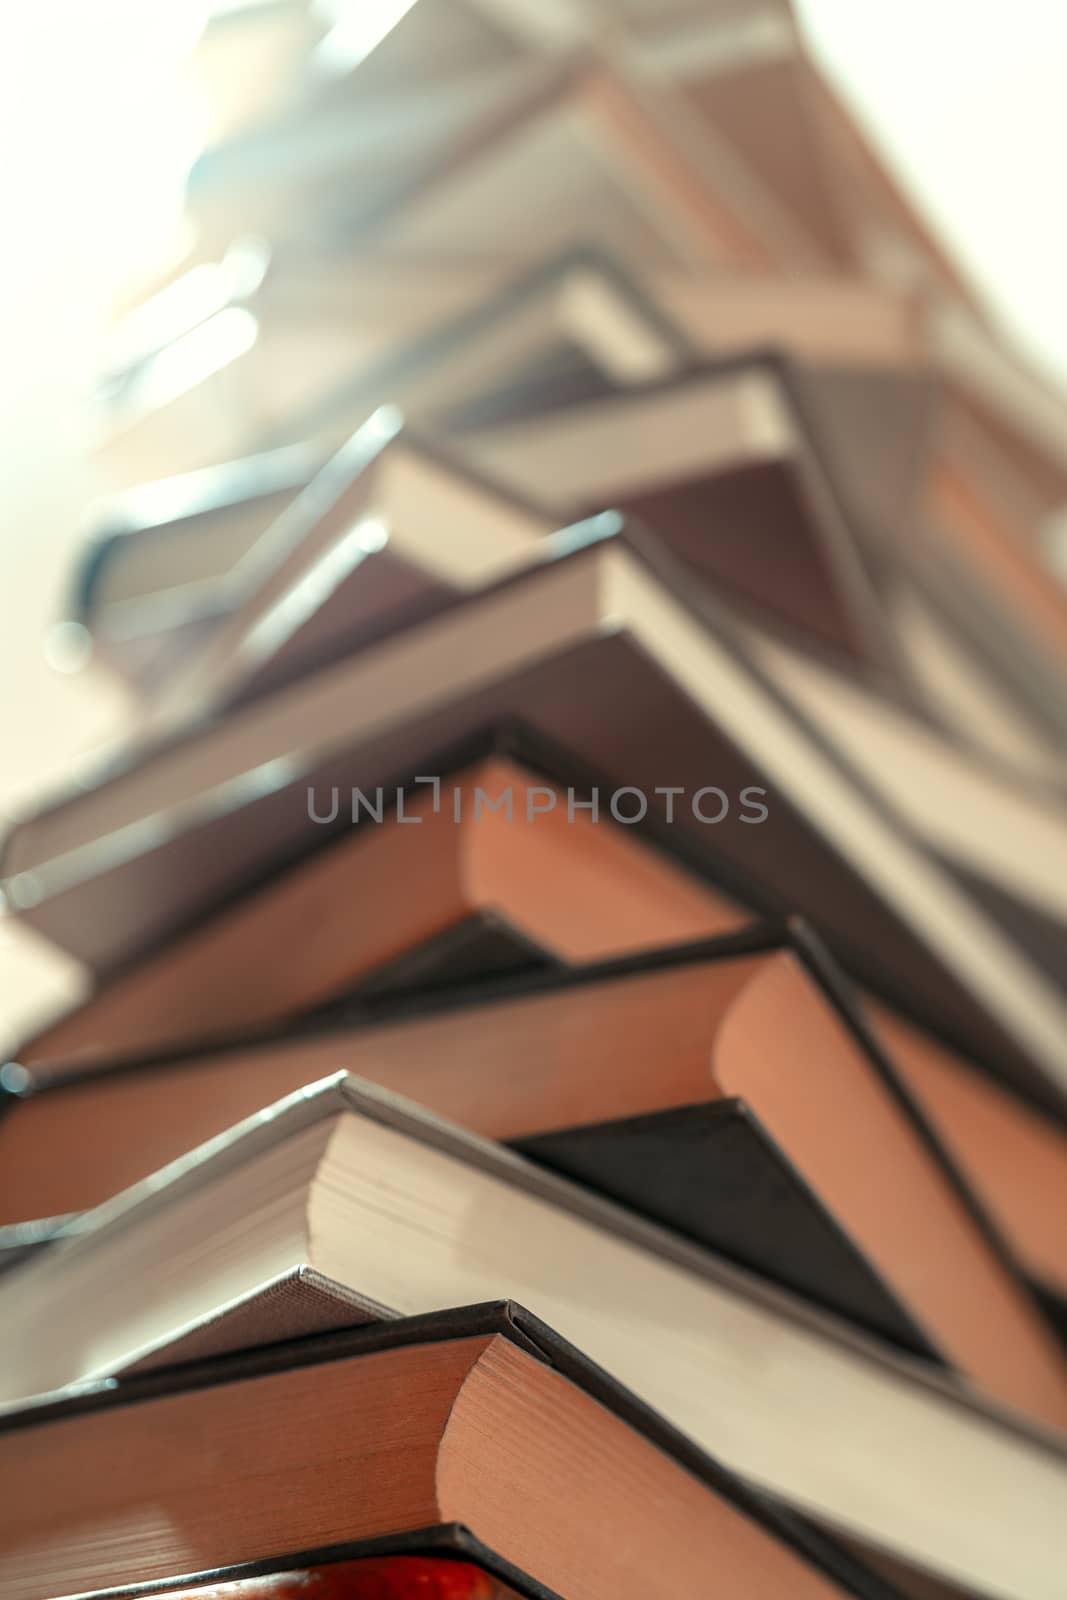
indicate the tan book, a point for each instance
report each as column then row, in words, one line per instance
column 1015, row 1159
column 466, row 1436
column 560, row 881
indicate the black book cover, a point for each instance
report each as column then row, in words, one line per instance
column 713, row 1174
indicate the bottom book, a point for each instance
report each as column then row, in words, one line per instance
column 478, row 1429
column 381, row 1578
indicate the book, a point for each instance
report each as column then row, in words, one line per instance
column 577, row 318
column 988, row 535
column 661, row 191
column 577, row 323
column 953, row 662
column 746, row 79
column 386, row 1197
column 619, row 328
column 736, row 1139
column 604, row 648
column 149, row 544
column 599, row 328
column 750, row 515
column 577, row 327
column 739, row 466
column 740, row 497
column 290, row 163
column 380, row 535
column 993, row 1137
column 457, row 1443
column 829, row 319
column 1010, row 845
column 388, row 151
column 372, row 536
column 557, row 883
column 589, row 322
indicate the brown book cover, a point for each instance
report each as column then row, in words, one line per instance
column 549, row 1410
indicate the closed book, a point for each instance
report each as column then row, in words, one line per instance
column 488, row 863
column 577, row 324
column 367, row 541
column 747, row 469
column 443, row 1456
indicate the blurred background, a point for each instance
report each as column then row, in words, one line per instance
column 106, row 109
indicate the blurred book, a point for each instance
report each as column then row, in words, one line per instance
column 349, row 552
column 606, row 651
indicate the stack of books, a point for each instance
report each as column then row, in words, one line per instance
column 572, row 1098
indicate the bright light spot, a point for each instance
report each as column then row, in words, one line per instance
column 370, row 534
column 14, row 1079
column 67, row 647
column 188, row 361
column 192, row 298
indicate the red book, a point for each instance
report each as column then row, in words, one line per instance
column 387, row 1578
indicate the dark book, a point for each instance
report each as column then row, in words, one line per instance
column 763, row 475
column 770, row 469
column 972, row 670
column 1005, row 843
